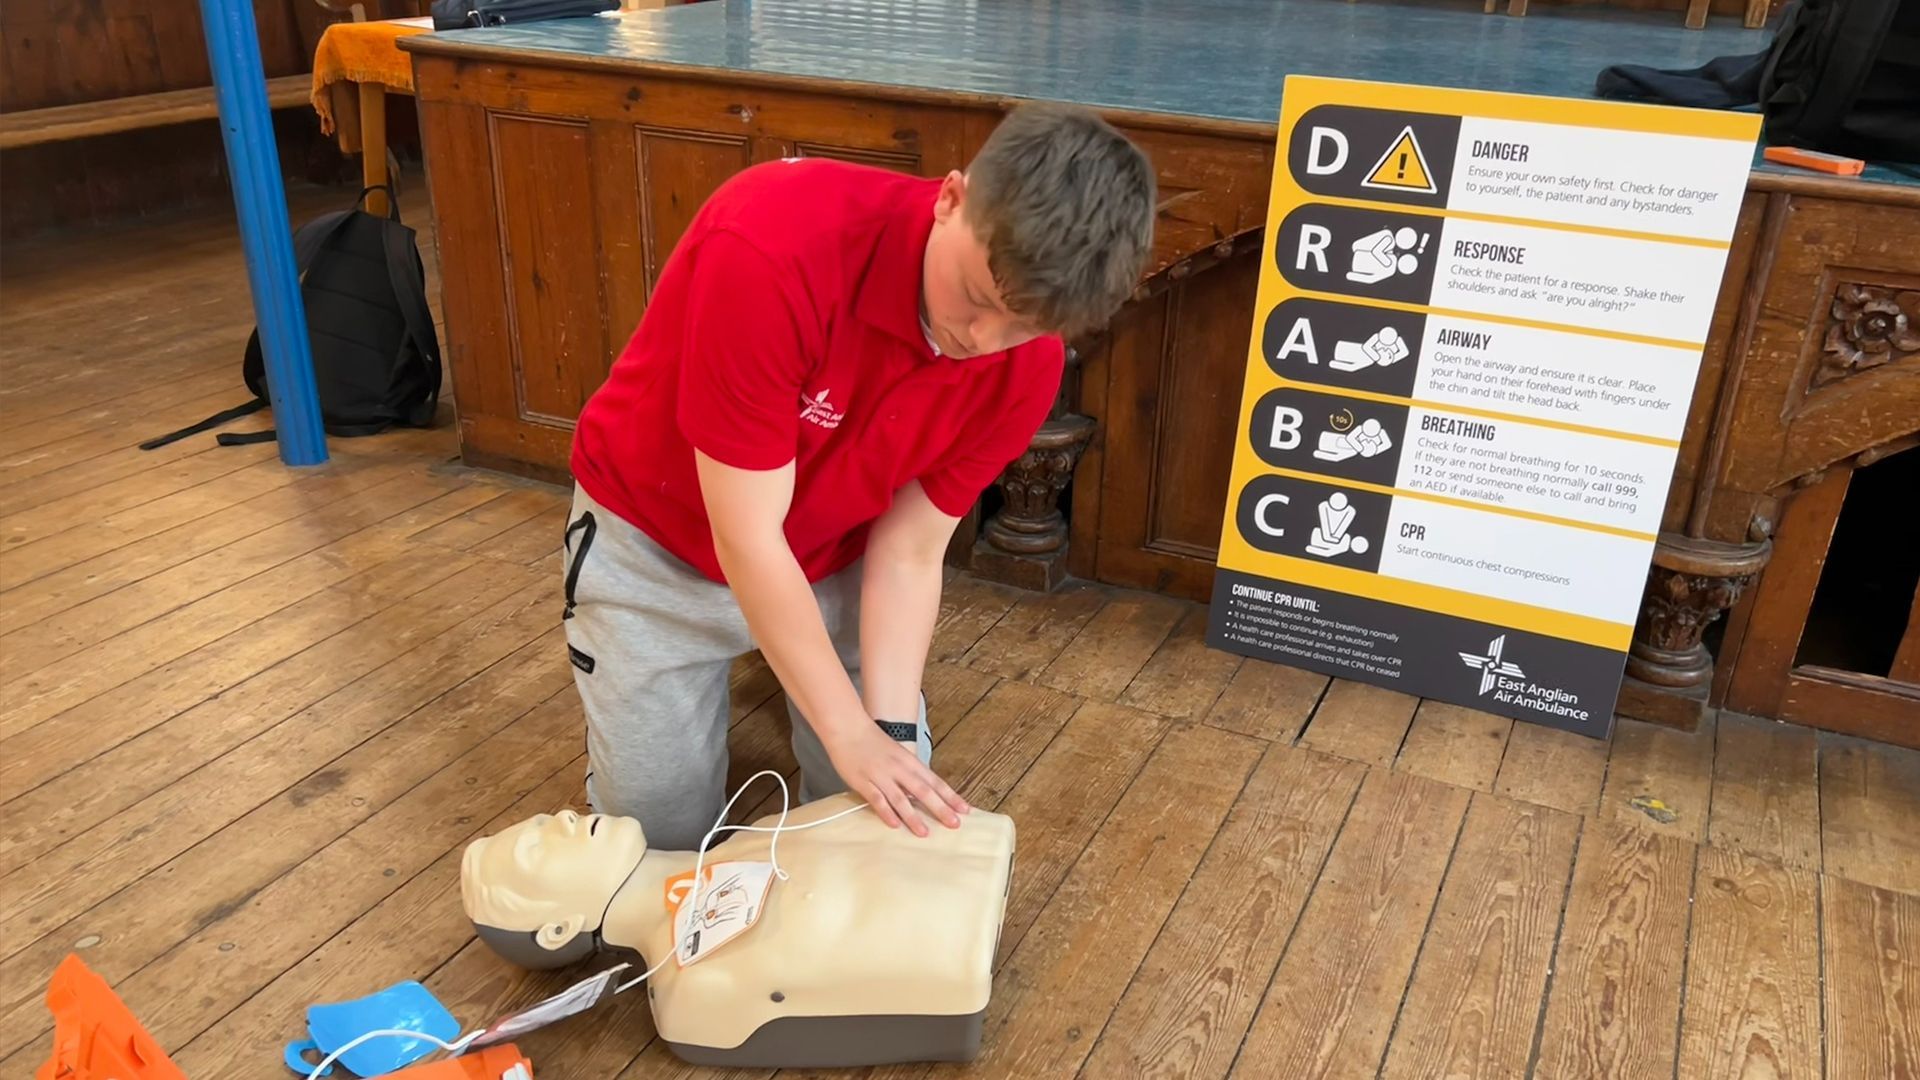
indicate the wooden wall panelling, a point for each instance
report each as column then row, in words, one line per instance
column 542, row 185
column 1720, row 359
column 1906, row 659
column 1826, row 375
column 678, row 170
column 1759, row 668
column 1764, row 632
column 75, row 51
column 1130, row 372
column 1210, row 189
column 472, row 281
column 615, row 151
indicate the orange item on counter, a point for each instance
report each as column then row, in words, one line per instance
column 363, row 52
column 1837, row 164
column 95, row 1037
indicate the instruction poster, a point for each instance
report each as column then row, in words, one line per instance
column 1479, row 321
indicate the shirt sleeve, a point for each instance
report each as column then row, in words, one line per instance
column 955, row 484
column 742, row 358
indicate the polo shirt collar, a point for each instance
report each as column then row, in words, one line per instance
column 890, row 285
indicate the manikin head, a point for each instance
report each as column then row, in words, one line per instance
column 1045, row 233
column 537, row 891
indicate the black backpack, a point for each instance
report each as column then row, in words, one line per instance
column 376, row 358
column 1844, row 76
column 1840, row 76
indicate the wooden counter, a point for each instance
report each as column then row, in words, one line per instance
column 566, row 158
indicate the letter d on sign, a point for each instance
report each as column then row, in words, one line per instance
column 1321, row 138
column 1260, row 514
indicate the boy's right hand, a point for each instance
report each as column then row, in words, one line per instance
column 890, row 777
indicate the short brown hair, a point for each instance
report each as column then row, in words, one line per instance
column 1064, row 204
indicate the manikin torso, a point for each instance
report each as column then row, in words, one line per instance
column 869, row 922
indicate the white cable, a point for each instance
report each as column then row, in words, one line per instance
column 720, row 826
column 453, row 1047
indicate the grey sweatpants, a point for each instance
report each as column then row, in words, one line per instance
column 652, row 643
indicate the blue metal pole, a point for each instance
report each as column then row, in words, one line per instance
column 253, row 162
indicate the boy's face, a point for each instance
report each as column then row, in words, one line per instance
column 962, row 305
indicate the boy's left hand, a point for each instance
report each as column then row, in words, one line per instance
column 891, row 778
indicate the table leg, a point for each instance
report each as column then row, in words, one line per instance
column 373, row 143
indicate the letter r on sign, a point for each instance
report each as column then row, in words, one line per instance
column 1314, row 241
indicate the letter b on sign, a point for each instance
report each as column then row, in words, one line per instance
column 1286, row 427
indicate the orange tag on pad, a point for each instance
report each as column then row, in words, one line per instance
column 732, row 895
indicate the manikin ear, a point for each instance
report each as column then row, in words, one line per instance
column 554, row 935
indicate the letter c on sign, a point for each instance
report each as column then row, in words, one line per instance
column 1260, row 513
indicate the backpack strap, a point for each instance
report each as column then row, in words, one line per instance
column 341, row 431
column 410, row 289
column 213, row 421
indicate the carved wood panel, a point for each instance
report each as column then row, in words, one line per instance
column 1831, row 370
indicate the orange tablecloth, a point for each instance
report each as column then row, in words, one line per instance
column 357, row 53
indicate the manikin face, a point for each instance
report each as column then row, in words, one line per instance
column 962, row 306
column 552, row 873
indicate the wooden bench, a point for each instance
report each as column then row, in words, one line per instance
column 63, row 122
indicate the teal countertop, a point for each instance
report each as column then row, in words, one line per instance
column 1216, row 59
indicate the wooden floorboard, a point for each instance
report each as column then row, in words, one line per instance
column 1753, row 970
column 1870, row 812
column 1330, row 1007
column 1194, row 998
column 253, row 715
column 1549, row 767
column 1660, row 779
column 1481, row 979
column 1871, row 960
column 1614, row 1006
column 1766, row 791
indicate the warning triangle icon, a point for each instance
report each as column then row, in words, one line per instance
column 1403, row 167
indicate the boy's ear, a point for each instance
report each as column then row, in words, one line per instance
column 953, row 192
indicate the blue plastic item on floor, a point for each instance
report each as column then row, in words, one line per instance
column 406, row 1006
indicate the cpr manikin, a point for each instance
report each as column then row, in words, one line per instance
column 876, row 948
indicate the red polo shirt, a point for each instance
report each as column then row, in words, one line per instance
column 786, row 327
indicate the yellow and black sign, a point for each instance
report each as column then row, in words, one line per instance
column 1478, row 326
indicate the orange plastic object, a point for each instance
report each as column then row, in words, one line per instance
column 1814, row 159
column 493, row 1063
column 94, row 1036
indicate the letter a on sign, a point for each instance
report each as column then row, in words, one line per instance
column 1402, row 167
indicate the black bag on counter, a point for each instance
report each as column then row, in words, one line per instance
column 1841, row 76
column 463, row 14
column 1844, row 76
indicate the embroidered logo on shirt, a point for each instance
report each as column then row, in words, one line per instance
column 818, row 410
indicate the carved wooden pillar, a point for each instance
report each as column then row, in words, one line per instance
column 1025, row 542
column 1692, row 583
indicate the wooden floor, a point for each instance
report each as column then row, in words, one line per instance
column 252, row 716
